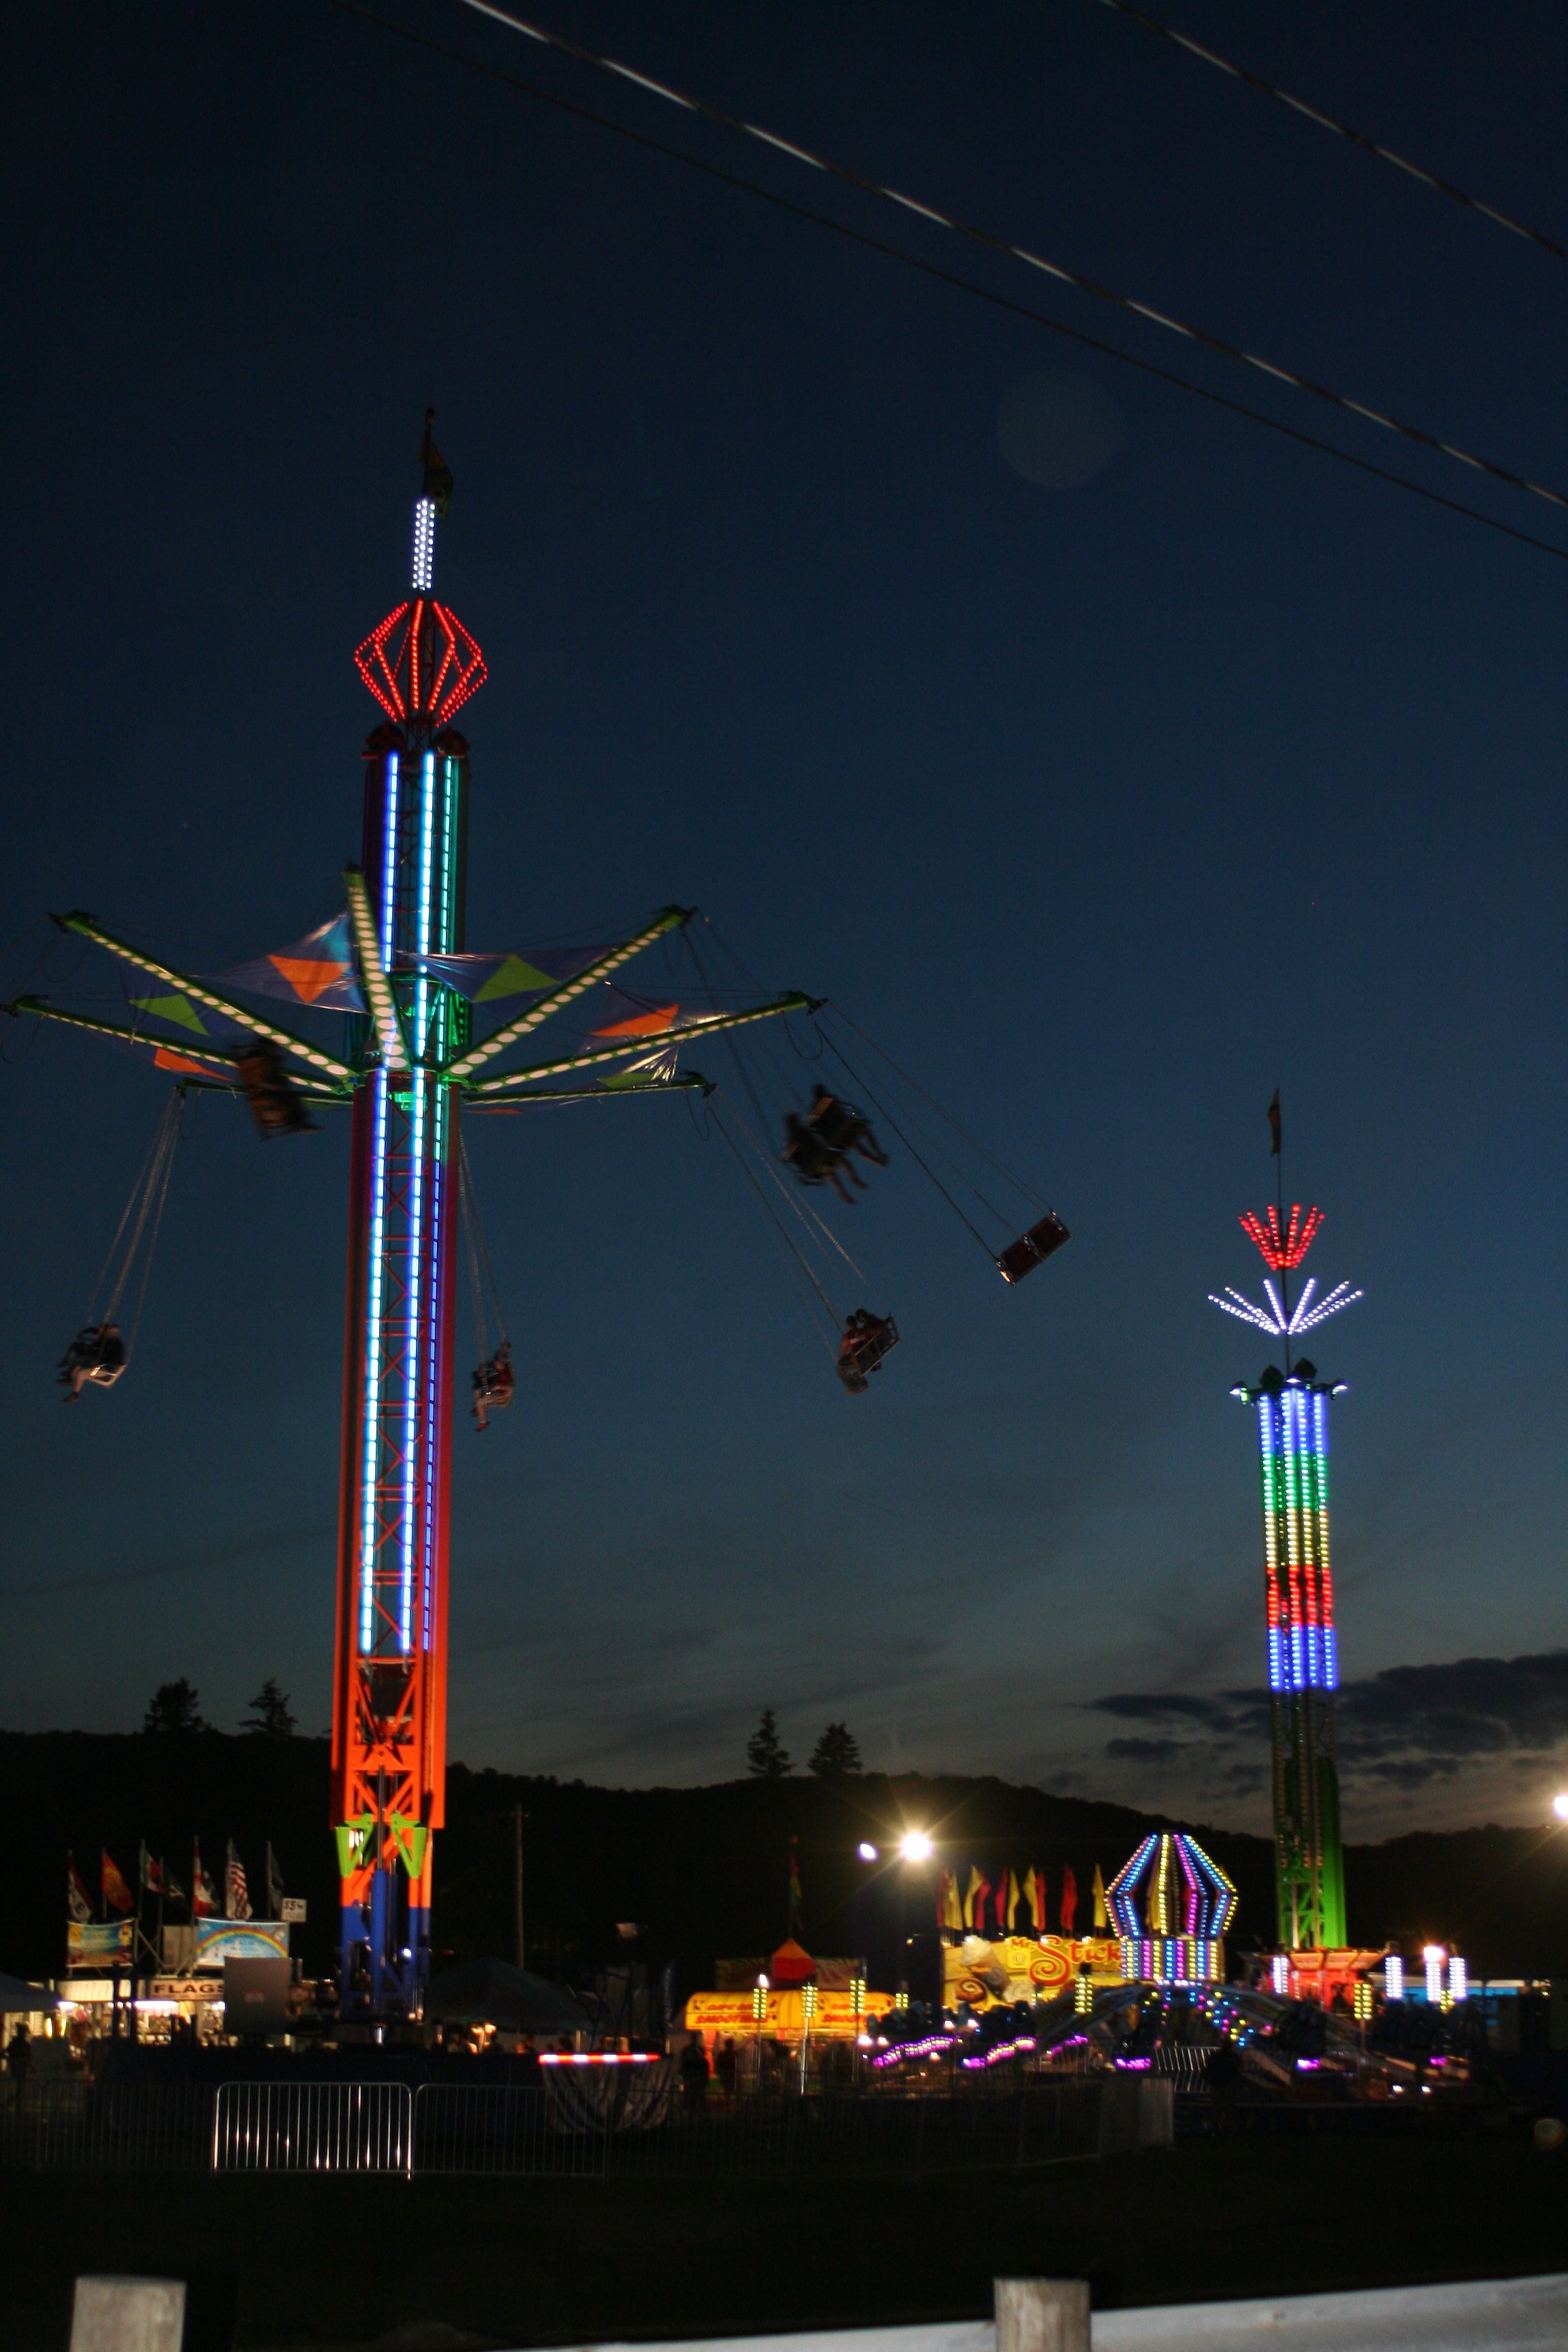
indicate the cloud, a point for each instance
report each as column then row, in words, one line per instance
column 1402, row 1728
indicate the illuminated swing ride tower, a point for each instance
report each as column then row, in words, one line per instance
column 395, row 962
column 1292, row 1410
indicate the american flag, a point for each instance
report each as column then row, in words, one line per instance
column 235, row 1895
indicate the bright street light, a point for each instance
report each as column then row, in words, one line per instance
column 867, row 1851
column 915, row 1846
column 1560, row 1805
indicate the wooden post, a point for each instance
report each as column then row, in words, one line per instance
column 1042, row 2315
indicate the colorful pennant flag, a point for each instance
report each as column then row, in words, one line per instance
column 317, row 970
column 1013, row 1897
column 115, row 1890
column 492, row 979
column 974, row 1900
column 78, row 1902
column 1101, row 1907
column 1069, row 1899
column 1037, row 1900
column 236, row 1894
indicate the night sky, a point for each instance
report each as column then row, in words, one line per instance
column 1106, row 803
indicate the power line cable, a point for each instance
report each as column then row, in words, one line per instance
column 993, row 244
column 954, row 278
column 1341, row 130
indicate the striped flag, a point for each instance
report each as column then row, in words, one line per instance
column 236, row 1894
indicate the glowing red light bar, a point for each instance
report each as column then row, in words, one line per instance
column 421, row 663
column 1282, row 1251
column 598, row 2058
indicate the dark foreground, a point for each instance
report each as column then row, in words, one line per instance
column 291, row 2261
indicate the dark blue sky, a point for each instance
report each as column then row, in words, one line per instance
column 1107, row 809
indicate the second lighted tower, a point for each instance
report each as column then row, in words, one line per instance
column 1292, row 1410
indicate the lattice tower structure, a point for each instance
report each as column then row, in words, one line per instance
column 389, row 1714
column 1292, row 1414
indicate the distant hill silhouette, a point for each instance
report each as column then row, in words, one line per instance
column 702, row 1871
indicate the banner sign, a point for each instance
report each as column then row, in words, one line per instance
column 239, row 1939
column 291, row 1910
column 90, row 1942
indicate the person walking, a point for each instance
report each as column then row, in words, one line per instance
column 19, row 2060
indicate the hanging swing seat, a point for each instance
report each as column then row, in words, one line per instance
column 495, row 1384
column 867, row 1337
column 275, row 1102
column 1032, row 1249
column 96, row 1357
column 844, row 1128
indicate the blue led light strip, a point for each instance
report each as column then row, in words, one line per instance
column 376, row 1298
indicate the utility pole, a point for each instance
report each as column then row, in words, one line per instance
column 517, row 1819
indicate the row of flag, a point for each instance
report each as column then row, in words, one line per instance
column 993, row 1905
column 155, row 1877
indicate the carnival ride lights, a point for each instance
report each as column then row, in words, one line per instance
column 1170, row 1904
column 397, row 966
column 1292, row 1409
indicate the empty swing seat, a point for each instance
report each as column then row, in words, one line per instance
column 1031, row 1249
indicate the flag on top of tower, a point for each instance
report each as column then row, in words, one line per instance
column 439, row 485
column 316, row 970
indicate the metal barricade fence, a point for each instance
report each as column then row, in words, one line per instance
column 314, row 2127
column 596, row 2126
column 497, row 2128
column 128, row 2127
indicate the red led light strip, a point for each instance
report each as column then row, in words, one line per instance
column 399, row 683
column 1282, row 1251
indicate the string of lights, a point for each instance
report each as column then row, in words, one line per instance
column 953, row 278
column 991, row 243
column 1341, row 130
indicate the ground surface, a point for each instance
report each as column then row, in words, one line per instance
column 313, row 2262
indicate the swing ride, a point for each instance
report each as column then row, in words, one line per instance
column 425, row 1031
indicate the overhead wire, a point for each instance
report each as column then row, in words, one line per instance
column 970, row 286
column 1341, row 130
column 796, row 1255
column 147, row 1197
column 477, row 1249
column 1037, row 1199
column 992, row 242
column 956, row 280
column 919, row 1160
